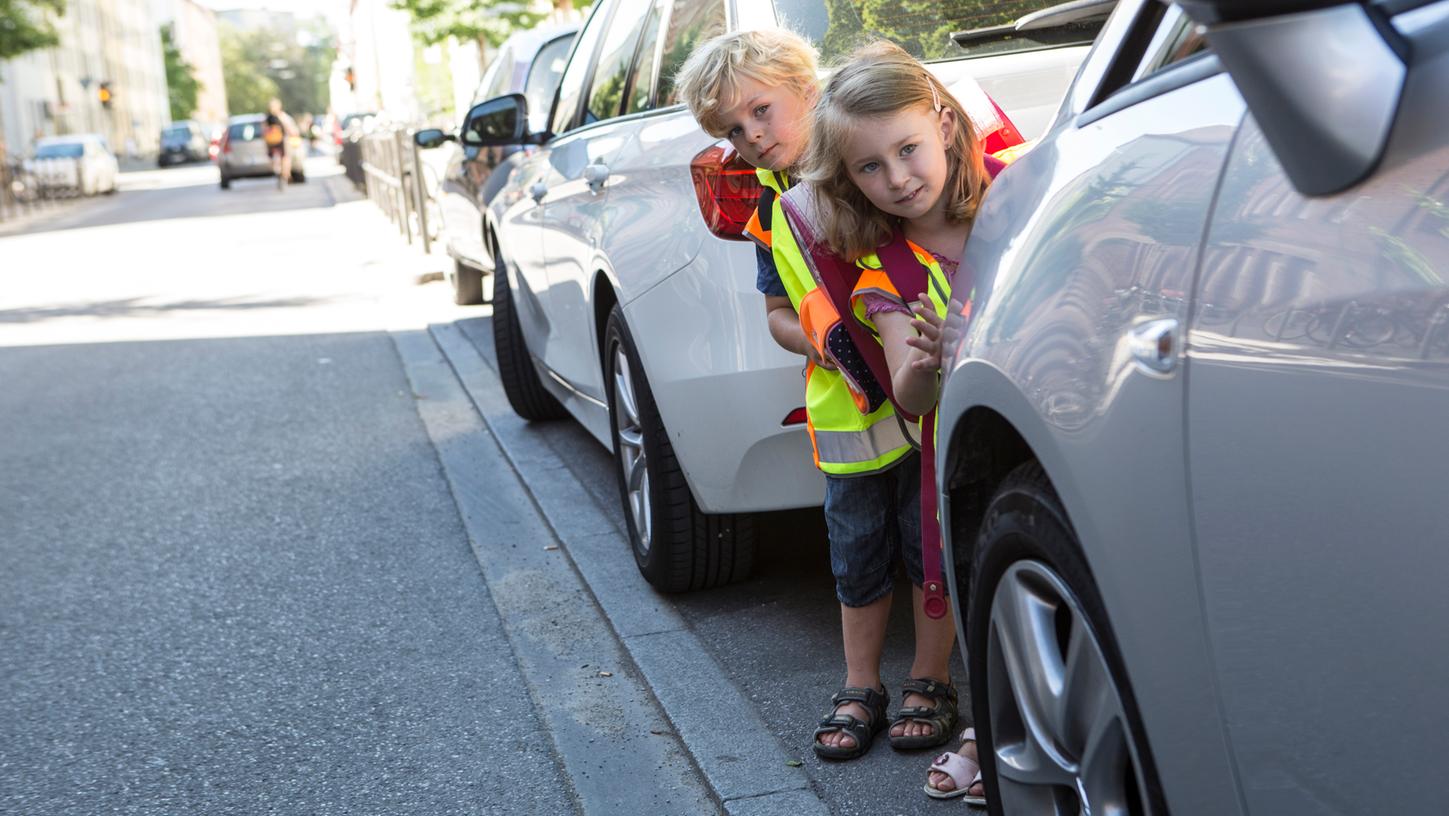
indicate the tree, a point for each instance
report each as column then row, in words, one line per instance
column 24, row 27
column 263, row 63
column 248, row 89
column 486, row 22
column 182, row 87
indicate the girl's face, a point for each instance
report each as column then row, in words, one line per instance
column 766, row 124
column 899, row 161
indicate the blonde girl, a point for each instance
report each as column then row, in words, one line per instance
column 891, row 149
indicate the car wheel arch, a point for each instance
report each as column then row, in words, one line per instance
column 605, row 296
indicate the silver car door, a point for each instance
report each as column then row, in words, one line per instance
column 576, row 181
column 1317, row 405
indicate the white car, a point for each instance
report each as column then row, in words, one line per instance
column 78, row 164
column 626, row 293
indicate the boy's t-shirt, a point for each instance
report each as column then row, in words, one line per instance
column 767, row 277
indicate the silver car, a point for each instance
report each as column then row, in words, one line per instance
column 1194, row 461
column 243, row 153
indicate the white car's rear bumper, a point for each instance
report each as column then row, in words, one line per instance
column 724, row 388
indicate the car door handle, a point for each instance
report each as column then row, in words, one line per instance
column 1156, row 344
column 596, row 175
column 538, row 190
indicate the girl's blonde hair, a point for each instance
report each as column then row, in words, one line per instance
column 880, row 80
column 710, row 79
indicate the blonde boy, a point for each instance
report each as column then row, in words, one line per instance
column 758, row 89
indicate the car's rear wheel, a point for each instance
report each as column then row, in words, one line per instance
column 676, row 546
column 521, row 384
column 1048, row 685
column 467, row 285
column 225, row 183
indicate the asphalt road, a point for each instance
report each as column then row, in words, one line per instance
column 242, row 576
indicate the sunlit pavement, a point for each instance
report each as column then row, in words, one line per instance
column 175, row 256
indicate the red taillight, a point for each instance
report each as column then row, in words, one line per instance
column 726, row 188
column 226, row 142
column 1003, row 137
column 796, row 417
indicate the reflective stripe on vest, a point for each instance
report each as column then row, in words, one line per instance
column 845, row 442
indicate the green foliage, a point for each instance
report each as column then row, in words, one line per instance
column 182, row 87
column 24, row 27
column 922, row 27
column 485, row 21
column 263, row 63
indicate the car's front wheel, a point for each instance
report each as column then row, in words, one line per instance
column 1048, row 685
column 676, row 546
column 521, row 384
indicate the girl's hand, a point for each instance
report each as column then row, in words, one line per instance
column 929, row 329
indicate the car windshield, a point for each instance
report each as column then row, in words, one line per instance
column 65, row 150
column 243, row 131
column 922, row 28
column 177, row 132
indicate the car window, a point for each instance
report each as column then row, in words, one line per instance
column 691, row 22
column 571, row 84
column 242, row 132
column 1177, row 38
column 606, row 92
column 499, row 77
column 63, row 150
column 543, row 77
column 836, row 27
column 646, row 62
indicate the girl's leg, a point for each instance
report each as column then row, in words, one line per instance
column 935, row 638
column 864, row 629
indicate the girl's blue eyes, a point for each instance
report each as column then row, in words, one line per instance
column 871, row 167
column 760, row 111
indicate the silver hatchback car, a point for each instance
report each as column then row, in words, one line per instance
column 243, row 153
column 1194, row 454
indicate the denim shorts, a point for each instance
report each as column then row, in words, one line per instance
column 870, row 520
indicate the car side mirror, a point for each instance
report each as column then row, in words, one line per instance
column 497, row 122
column 432, row 137
column 1323, row 84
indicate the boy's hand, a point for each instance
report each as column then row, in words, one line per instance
column 813, row 356
column 929, row 327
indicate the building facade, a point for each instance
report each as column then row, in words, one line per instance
column 194, row 29
column 105, row 76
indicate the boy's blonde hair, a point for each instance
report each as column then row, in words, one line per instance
column 880, row 80
column 710, row 79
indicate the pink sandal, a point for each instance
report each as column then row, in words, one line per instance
column 964, row 772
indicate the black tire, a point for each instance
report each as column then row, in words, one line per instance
column 1026, row 525
column 520, row 379
column 299, row 178
column 686, row 549
column 225, row 183
column 467, row 285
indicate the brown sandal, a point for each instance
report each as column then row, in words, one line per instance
column 942, row 716
column 863, row 732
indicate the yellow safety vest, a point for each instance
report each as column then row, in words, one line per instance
column 846, row 442
column 874, row 279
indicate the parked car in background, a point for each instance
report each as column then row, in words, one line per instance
column 80, row 164
column 528, row 63
column 625, row 291
column 182, row 142
column 244, row 153
column 1192, row 431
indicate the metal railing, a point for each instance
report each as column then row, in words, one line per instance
column 27, row 186
column 392, row 176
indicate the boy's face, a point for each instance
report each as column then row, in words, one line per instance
column 767, row 124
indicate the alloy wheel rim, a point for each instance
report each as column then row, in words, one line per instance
column 633, row 462
column 1058, row 724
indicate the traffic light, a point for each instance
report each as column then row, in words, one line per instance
column 104, row 93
